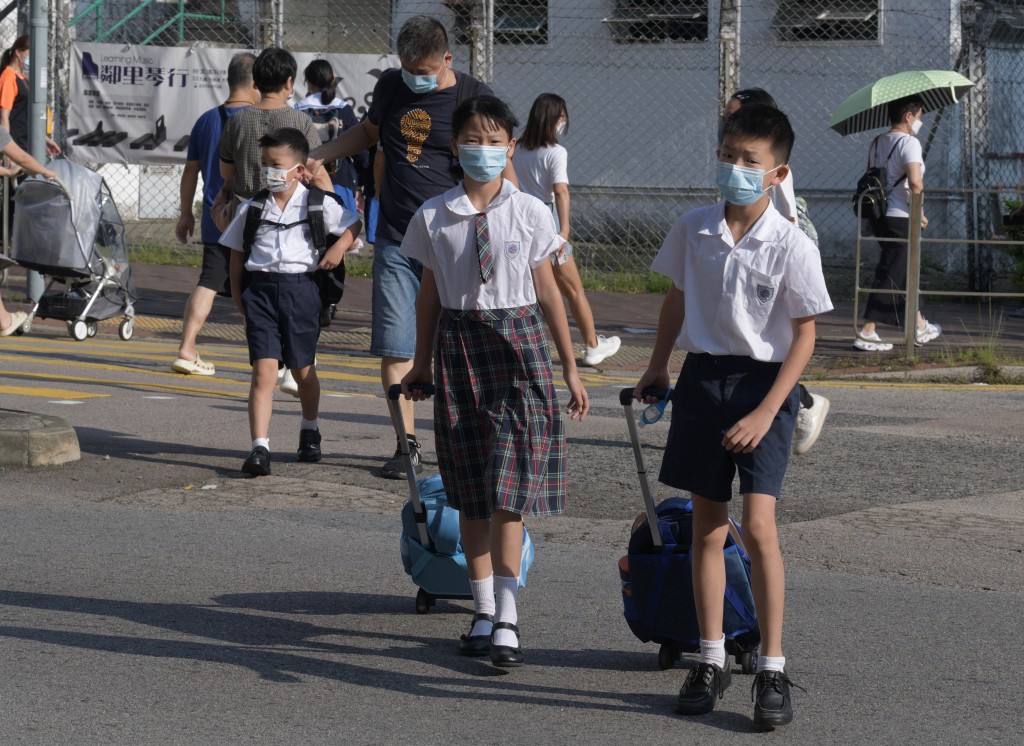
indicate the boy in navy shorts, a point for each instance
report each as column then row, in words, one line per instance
column 746, row 286
column 280, row 299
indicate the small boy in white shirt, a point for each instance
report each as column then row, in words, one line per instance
column 273, row 287
column 746, row 286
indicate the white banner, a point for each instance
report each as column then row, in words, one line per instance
column 137, row 104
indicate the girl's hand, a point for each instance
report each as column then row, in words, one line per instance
column 651, row 379
column 579, row 402
column 47, row 173
column 745, row 435
column 418, row 374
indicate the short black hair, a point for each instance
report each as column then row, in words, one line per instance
column 899, row 108
column 240, row 70
column 272, row 69
column 754, row 97
column 421, row 38
column 290, row 138
column 763, row 123
column 490, row 108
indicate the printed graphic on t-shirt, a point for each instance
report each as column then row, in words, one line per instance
column 415, row 128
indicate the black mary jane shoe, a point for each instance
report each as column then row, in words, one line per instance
column 258, row 462
column 506, row 656
column 476, row 645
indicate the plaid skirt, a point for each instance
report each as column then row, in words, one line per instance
column 499, row 433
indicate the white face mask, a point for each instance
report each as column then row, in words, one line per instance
column 560, row 127
column 276, row 179
column 916, row 126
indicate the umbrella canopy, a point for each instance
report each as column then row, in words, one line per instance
column 867, row 109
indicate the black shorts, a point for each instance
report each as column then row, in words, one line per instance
column 282, row 318
column 714, row 392
column 216, row 272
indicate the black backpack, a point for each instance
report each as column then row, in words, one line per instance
column 871, row 198
column 330, row 282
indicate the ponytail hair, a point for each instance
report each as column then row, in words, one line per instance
column 20, row 45
column 320, row 74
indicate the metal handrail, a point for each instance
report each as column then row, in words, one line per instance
column 913, row 292
column 178, row 18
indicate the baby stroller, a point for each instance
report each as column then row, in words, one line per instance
column 72, row 232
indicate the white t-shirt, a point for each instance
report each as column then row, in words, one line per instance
column 740, row 299
column 908, row 150
column 442, row 235
column 539, row 170
column 287, row 250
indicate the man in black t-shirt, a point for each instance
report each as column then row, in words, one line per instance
column 410, row 116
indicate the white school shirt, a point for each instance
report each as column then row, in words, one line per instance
column 539, row 170
column 740, row 299
column 908, row 150
column 290, row 250
column 442, row 235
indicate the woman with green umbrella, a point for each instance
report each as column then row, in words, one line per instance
column 899, row 152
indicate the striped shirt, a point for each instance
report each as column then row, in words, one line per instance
column 240, row 143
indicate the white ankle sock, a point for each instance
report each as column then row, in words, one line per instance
column 265, row 442
column 505, row 592
column 312, row 424
column 713, row 651
column 483, row 603
column 765, row 663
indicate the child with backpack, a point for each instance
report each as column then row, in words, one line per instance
column 485, row 249
column 746, row 286
column 273, row 282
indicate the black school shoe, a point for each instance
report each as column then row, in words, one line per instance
column 476, row 645
column 506, row 656
column 772, row 702
column 704, row 684
column 309, row 445
column 258, row 463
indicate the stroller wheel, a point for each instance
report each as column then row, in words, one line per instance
column 78, row 330
column 422, row 601
column 92, row 328
column 667, row 656
column 747, row 661
column 126, row 329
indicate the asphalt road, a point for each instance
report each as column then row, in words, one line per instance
column 152, row 595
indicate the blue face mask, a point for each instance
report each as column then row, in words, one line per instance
column 421, row 83
column 740, row 185
column 483, row 163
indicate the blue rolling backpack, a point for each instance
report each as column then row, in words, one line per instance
column 430, row 544
column 657, row 586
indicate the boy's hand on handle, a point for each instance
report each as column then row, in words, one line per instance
column 651, row 379
column 579, row 402
column 414, row 382
column 745, row 435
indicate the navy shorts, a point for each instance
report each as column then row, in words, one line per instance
column 282, row 318
column 715, row 392
column 216, row 272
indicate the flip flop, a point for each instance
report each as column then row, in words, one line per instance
column 197, row 367
column 17, row 319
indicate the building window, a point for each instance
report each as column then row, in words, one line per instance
column 515, row 21
column 827, row 20
column 648, row 21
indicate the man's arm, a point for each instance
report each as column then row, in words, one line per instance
column 349, row 142
column 186, row 220
column 237, row 270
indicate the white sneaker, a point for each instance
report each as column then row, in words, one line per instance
column 930, row 332
column 809, row 423
column 606, row 347
column 871, row 343
column 288, row 385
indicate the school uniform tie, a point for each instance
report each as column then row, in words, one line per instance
column 483, row 248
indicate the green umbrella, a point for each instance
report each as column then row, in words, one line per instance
column 867, row 109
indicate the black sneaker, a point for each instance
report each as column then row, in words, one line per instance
column 395, row 468
column 309, row 445
column 705, row 683
column 772, row 703
column 258, row 463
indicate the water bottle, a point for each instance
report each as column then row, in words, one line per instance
column 654, row 412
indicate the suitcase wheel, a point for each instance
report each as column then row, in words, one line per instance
column 424, row 601
column 667, row 656
column 746, row 661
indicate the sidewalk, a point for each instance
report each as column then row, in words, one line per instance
column 163, row 291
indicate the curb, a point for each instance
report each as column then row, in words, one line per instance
column 28, row 439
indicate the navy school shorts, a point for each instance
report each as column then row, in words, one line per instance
column 282, row 318
column 715, row 392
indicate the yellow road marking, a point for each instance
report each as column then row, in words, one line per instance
column 912, row 385
column 48, row 393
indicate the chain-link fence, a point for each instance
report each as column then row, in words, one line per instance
column 645, row 81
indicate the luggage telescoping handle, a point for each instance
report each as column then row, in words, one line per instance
column 626, row 400
column 395, row 391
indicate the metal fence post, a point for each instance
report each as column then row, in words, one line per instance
column 481, row 50
column 913, row 270
column 728, row 51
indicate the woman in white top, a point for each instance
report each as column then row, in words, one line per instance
column 899, row 151
column 541, row 167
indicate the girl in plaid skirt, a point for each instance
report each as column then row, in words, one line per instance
column 484, row 246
